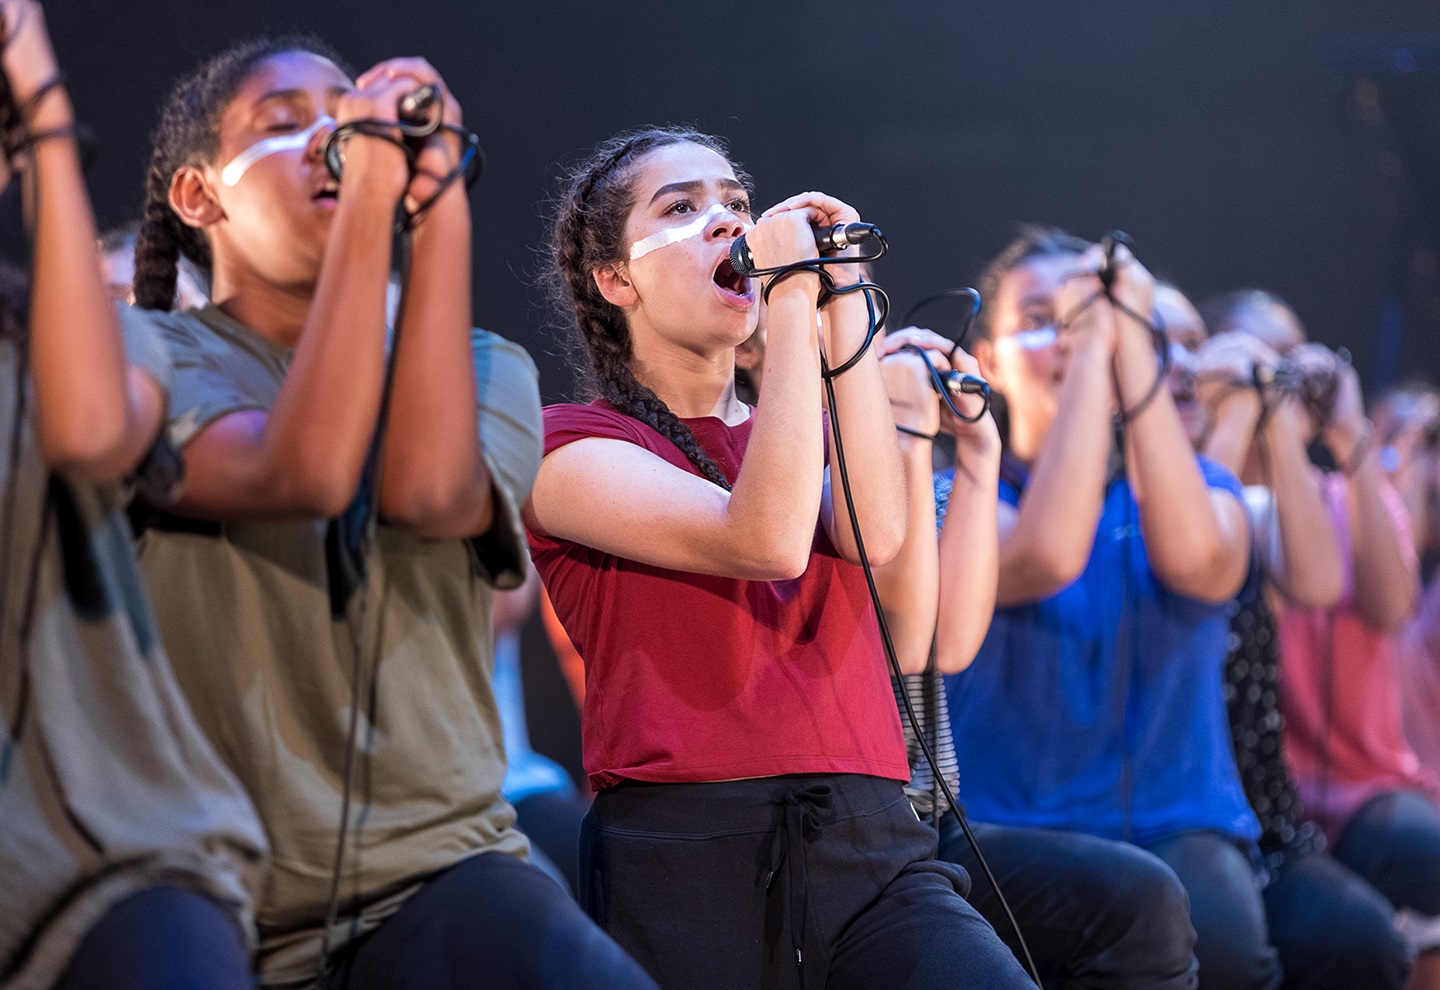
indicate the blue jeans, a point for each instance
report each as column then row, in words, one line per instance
column 1232, row 939
column 1095, row 913
column 488, row 921
column 1393, row 841
column 161, row 938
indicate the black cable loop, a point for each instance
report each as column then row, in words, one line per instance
column 955, row 381
column 976, row 304
column 877, row 302
column 410, row 134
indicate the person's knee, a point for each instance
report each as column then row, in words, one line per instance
column 1149, row 913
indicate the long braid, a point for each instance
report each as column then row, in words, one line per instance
column 188, row 134
column 586, row 235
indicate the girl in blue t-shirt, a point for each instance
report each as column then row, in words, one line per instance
column 1095, row 704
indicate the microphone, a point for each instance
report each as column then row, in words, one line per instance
column 960, row 383
column 835, row 238
column 414, row 107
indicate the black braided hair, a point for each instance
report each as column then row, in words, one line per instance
column 188, row 133
column 587, row 233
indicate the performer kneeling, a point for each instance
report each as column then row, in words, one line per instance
column 357, row 709
column 751, row 820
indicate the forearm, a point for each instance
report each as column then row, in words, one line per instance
column 969, row 562
column 866, row 426
column 1055, row 530
column 89, row 424
column 1310, row 565
column 775, row 502
column 1189, row 547
column 435, row 482
column 1385, row 581
column 909, row 584
column 1233, row 430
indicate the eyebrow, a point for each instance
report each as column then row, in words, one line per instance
column 692, row 185
column 297, row 93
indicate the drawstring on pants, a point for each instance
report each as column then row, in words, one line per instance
column 799, row 821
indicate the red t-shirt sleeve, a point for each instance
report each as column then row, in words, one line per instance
column 568, row 422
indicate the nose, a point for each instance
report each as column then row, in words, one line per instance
column 726, row 223
column 320, row 132
column 1182, row 358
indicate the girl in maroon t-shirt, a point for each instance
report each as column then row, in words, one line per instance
column 739, row 723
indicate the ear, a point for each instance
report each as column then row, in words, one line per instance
column 615, row 286
column 984, row 353
column 192, row 198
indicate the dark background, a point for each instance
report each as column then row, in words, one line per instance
column 1288, row 145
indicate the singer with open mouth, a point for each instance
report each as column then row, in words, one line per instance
column 336, row 646
column 751, row 829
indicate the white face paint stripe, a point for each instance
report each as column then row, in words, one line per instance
column 240, row 164
column 1031, row 340
column 664, row 238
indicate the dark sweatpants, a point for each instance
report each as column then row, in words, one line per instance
column 798, row 881
column 489, row 921
column 1095, row 913
column 165, row 937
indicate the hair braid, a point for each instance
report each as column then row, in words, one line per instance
column 588, row 233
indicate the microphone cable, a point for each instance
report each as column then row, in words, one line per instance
column 361, row 520
column 829, row 376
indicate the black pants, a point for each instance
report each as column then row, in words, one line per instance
column 1095, row 913
column 162, row 938
column 804, row 881
column 490, row 921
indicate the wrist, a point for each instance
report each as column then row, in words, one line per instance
column 1345, row 438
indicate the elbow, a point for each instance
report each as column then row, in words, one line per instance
column 1204, row 577
column 82, row 453
column 438, row 511
column 882, row 545
column 323, row 491
column 783, row 566
column 953, row 660
column 1314, row 587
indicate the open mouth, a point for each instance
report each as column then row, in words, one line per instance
column 731, row 281
column 329, row 192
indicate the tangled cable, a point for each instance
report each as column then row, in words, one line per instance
column 1155, row 326
column 420, row 115
column 876, row 299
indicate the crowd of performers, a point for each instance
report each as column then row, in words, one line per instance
column 1156, row 610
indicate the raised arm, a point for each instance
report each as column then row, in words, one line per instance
column 1306, row 567
column 435, row 481
column 1046, row 542
column 302, row 459
column 862, row 411
column 940, row 591
column 1384, row 575
column 1197, row 539
column 96, row 415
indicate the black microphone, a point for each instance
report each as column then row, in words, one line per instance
column 836, row 238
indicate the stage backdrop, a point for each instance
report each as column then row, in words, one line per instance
column 1287, row 144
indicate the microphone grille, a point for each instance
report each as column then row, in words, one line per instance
column 740, row 258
